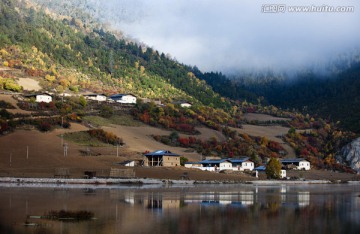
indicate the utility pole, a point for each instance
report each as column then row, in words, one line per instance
column 10, row 158
column 117, row 150
column 27, row 152
column 65, row 149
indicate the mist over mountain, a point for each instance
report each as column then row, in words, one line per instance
column 231, row 36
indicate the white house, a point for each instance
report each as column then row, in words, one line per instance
column 241, row 164
column 296, row 163
column 263, row 168
column 124, row 98
column 40, row 97
column 128, row 163
column 95, row 97
column 185, row 104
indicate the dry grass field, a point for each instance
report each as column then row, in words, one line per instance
column 30, row 153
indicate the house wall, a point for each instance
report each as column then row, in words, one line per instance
column 152, row 162
column 304, row 165
column 171, row 161
column 247, row 165
column 99, row 98
column 186, row 105
column 130, row 164
column 127, row 99
column 225, row 166
column 43, row 98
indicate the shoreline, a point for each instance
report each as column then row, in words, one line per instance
column 160, row 182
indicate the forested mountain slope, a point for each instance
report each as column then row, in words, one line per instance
column 67, row 53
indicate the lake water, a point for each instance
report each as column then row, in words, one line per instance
column 193, row 209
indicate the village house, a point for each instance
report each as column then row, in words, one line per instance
column 40, row 97
column 129, row 163
column 155, row 101
column 124, row 98
column 240, row 164
column 95, row 97
column 296, row 163
column 162, row 158
column 262, row 169
column 183, row 104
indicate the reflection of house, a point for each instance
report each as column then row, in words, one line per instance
column 95, row 97
column 124, row 98
column 240, row 164
column 162, row 158
column 40, row 97
column 296, row 163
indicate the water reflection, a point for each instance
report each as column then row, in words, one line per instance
column 198, row 209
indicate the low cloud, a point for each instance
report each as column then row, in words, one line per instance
column 235, row 35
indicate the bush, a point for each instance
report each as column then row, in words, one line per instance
column 44, row 126
column 273, row 169
column 106, row 137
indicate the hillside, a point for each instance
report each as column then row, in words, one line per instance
column 43, row 50
column 68, row 54
column 334, row 96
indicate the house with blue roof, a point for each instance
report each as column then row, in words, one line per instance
column 235, row 164
column 124, row 98
column 295, row 163
column 161, row 158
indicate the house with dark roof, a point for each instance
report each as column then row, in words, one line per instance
column 235, row 164
column 95, row 97
column 40, row 97
column 161, row 158
column 295, row 163
column 124, row 98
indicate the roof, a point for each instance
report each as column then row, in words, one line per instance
column 214, row 161
column 292, row 160
column 260, row 168
column 36, row 94
column 232, row 160
column 121, row 95
column 94, row 94
column 239, row 160
column 161, row 153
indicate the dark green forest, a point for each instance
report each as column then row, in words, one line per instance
column 335, row 97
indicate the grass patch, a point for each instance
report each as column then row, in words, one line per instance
column 83, row 138
column 125, row 120
column 97, row 120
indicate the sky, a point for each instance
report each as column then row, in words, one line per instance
column 240, row 35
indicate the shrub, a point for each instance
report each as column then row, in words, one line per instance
column 273, row 169
column 44, row 126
